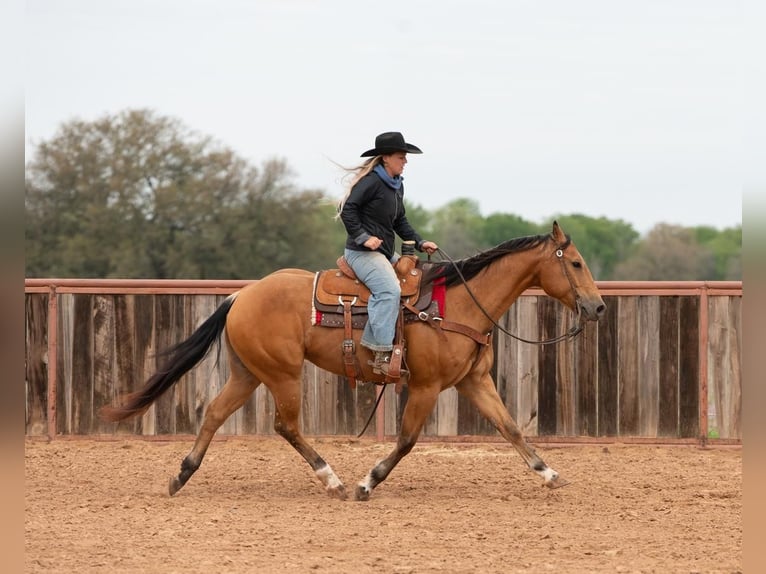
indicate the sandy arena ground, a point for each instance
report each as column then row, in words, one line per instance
column 255, row 506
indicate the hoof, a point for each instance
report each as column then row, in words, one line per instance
column 362, row 493
column 338, row 492
column 557, row 482
column 174, row 485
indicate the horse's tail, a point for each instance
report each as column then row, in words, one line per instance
column 181, row 359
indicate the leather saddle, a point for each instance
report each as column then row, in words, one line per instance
column 340, row 300
column 334, row 288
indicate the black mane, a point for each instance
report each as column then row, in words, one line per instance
column 471, row 266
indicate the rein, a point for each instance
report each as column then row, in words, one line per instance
column 571, row 334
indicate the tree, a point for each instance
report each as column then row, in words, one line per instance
column 500, row 227
column 139, row 195
column 457, row 228
column 669, row 252
column 603, row 243
column 726, row 247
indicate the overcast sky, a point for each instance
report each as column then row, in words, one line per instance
column 629, row 110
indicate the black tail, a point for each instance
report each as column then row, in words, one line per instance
column 182, row 358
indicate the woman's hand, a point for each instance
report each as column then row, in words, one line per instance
column 429, row 247
column 373, row 243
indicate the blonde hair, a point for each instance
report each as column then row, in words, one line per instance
column 356, row 174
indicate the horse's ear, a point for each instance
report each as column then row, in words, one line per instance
column 557, row 234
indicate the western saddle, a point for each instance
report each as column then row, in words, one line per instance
column 340, row 300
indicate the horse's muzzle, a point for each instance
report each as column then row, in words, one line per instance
column 592, row 310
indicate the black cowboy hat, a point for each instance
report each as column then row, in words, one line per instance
column 390, row 142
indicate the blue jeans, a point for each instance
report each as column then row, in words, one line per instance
column 376, row 271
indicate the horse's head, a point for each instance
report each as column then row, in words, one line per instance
column 566, row 277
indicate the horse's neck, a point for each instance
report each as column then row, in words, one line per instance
column 498, row 286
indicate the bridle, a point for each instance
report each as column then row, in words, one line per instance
column 570, row 334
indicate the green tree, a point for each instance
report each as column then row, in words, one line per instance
column 500, row 227
column 457, row 228
column 669, row 252
column 603, row 243
column 726, row 247
column 420, row 218
column 140, row 195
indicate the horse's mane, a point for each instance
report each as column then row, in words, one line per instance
column 469, row 267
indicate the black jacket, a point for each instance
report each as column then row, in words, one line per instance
column 373, row 208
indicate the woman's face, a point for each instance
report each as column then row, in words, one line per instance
column 394, row 163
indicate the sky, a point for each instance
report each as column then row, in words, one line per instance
column 629, row 110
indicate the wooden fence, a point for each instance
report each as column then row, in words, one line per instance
column 663, row 365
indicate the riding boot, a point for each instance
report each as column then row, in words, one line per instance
column 381, row 362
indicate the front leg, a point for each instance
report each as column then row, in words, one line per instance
column 420, row 403
column 481, row 391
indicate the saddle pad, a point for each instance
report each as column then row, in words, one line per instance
column 332, row 285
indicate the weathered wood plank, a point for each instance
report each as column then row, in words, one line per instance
column 447, row 408
column 566, row 403
column 608, row 380
column 65, row 328
column 586, row 366
column 527, row 365
column 716, row 365
column 80, row 389
column 327, row 399
column 125, row 341
column 36, row 357
column 345, row 408
column 104, row 359
column 688, row 406
column 724, row 385
column 146, row 348
column 547, row 309
column 649, row 361
column 628, row 360
column 668, row 367
column 391, row 402
column 733, row 411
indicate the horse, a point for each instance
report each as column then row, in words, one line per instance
column 269, row 333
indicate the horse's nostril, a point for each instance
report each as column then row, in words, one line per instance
column 600, row 309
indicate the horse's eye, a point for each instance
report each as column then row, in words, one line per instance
column 576, row 264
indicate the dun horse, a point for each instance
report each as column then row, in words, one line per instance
column 270, row 332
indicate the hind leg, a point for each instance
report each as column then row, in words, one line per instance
column 287, row 397
column 235, row 392
column 480, row 390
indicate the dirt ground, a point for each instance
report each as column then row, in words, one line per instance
column 255, row 506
